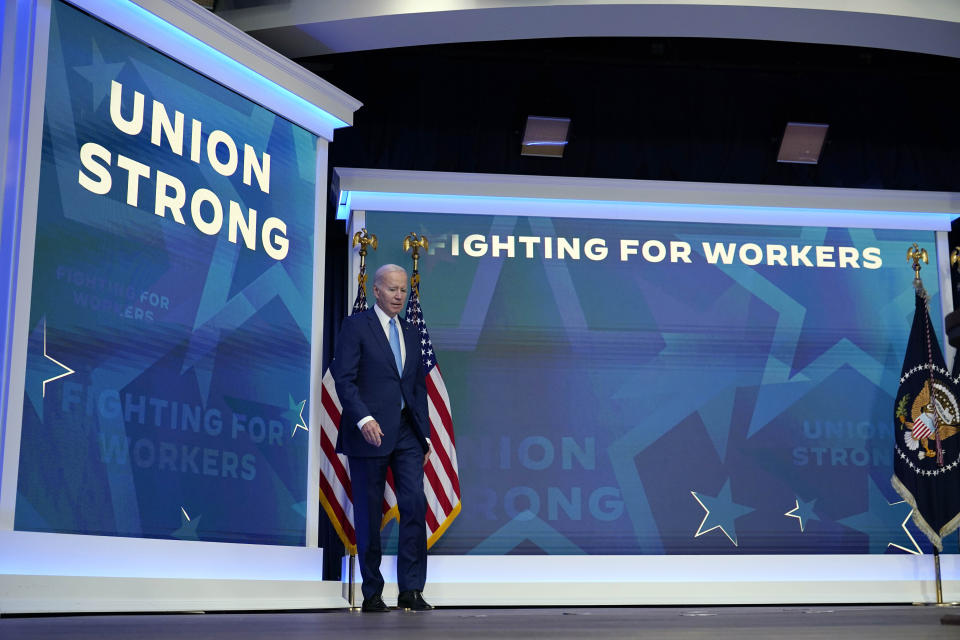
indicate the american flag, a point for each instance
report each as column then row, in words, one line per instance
column 441, row 479
column 335, row 492
column 441, row 476
column 360, row 304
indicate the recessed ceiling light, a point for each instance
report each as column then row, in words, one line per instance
column 546, row 137
column 802, row 142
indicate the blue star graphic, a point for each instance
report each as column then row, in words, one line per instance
column 795, row 366
column 99, row 73
column 803, row 511
column 722, row 511
column 884, row 523
column 526, row 527
column 294, row 415
column 300, row 508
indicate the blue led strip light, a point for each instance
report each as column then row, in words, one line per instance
column 177, row 43
column 615, row 209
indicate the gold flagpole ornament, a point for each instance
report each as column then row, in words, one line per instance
column 365, row 240
column 415, row 242
column 917, row 254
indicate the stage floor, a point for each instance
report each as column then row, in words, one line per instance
column 672, row 623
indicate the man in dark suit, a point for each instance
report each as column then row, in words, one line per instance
column 381, row 384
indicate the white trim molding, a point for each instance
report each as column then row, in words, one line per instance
column 436, row 192
column 531, row 581
column 300, row 28
column 54, row 572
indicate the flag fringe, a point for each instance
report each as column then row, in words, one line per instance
column 351, row 548
column 951, row 526
column 918, row 519
column 443, row 527
column 392, row 514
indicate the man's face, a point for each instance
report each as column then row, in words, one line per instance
column 391, row 292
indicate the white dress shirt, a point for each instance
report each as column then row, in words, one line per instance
column 385, row 322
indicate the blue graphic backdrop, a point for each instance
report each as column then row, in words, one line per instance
column 604, row 406
column 168, row 362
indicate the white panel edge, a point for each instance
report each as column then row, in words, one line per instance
column 24, row 284
column 56, row 594
column 316, row 343
column 618, row 190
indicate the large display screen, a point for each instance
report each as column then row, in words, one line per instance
column 631, row 387
column 168, row 358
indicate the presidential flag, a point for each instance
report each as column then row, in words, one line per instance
column 441, row 481
column 926, row 460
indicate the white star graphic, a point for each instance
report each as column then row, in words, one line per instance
column 56, row 362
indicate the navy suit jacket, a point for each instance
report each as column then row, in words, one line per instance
column 368, row 384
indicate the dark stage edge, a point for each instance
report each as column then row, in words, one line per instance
column 673, row 623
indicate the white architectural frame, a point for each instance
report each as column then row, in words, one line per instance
column 45, row 572
column 647, row 579
column 300, row 28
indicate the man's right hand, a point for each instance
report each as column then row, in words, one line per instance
column 372, row 433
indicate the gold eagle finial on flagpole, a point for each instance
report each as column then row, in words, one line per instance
column 365, row 240
column 917, row 254
column 415, row 242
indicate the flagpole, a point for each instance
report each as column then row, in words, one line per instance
column 916, row 254
column 364, row 239
column 936, row 567
column 351, row 581
column 939, row 583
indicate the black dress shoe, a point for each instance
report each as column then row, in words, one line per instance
column 374, row 604
column 413, row 601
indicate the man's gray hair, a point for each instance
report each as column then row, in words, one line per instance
column 384, row 270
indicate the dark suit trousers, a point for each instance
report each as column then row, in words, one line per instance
column 368, row 477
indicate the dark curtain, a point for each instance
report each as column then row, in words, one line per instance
column 674, row 109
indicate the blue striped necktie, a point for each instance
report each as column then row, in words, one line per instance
column 395, row 344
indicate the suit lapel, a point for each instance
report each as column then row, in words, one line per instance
column 412, row 345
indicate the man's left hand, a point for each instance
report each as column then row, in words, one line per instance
column 426, row 456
